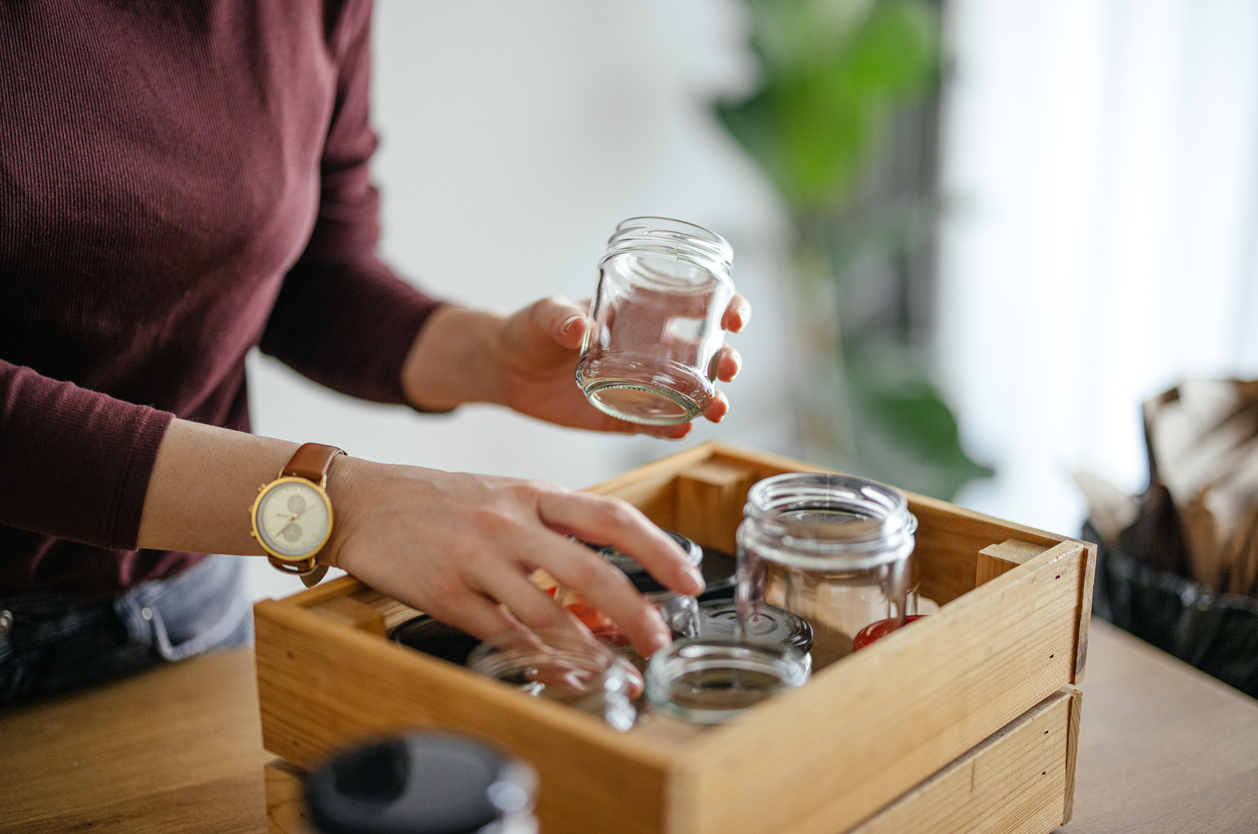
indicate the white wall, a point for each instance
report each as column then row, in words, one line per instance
column 1101, row 174
column 514, row 137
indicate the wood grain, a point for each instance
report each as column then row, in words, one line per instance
column 1072, row 753
column 710, row 496
column 996, row 559
column 1012, row 783
column 819, row 759
column 354, row 614
column 825, row 756
column 286, row 799
column 323, row 688
column 174, row 749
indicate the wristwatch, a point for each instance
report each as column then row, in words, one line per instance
column 292, row 515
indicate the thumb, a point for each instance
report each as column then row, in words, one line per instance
column 562, row 320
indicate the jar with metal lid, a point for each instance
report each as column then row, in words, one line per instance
column 769, row 624
column 429, row 782
column 650, row 354
column 566, row 667
column 833, row 549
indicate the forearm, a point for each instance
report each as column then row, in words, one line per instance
column 452, row 360
column 204, row 481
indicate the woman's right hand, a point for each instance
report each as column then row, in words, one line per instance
column 462, row 547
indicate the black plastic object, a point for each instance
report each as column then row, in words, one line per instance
column 719, row 569
column 418, row 784
column 435, row 638
column 1217, row 633
column 719, row 618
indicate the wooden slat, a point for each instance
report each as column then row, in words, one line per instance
column 323, row 687
column 1072, row 753
column 1012, row 783
column 285, row 799
column 825, row 756
column 709, row 502
column 1085, row 614
column 996, row 559
column 352, row 613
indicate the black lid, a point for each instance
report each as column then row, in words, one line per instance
column 418, row 784
column 719, row 618
column 643, row 581
column 435, row 638
column 719, row 570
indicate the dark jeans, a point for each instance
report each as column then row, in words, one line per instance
column 50, row 643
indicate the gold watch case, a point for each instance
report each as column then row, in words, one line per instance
column 291, row 518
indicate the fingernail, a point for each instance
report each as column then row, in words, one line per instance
column 569, row 325
column 698, row 578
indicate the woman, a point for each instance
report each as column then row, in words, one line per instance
column 178, row 183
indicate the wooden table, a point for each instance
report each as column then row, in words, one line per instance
column 1163, row 748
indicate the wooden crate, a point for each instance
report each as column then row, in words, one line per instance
column 889, row 739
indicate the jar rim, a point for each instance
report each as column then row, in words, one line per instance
column 528, row 649
column 714, row 653
column 871, row 523
column 680, row 238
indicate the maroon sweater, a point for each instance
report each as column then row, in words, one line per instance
column 179, row 181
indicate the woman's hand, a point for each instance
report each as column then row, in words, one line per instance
column 528, row 361
column 462, row 547
column 457, row 546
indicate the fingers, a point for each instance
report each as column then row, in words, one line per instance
column 530, row 605
column 602, row 520
column 607, row 589
column 737, row 314
column 561, row 319
column 718, row 408
column 728, row 363
column 482, row 618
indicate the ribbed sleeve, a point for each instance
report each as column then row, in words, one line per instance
column 76, row 463
column 342, row 318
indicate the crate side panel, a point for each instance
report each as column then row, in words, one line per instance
column 949, row 540
column 323, row 687
column 1012, row 783
column 873, row 725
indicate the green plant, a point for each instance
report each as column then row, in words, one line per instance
column 842, row 84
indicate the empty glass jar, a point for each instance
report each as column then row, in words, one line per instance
column 565, row 667
column 711, row 680
column 650, row 355
column 833, row 549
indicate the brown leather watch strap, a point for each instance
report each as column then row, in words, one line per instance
column 311, row 462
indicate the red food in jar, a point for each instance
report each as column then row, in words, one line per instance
column 879, row 629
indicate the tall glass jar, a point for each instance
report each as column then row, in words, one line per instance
column 650, row 356
column 833, row 549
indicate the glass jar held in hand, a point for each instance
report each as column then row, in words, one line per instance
column 651, row 354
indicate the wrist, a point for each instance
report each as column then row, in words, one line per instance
column 454, row 360
column 343, row 477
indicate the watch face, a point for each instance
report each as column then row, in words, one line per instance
column 292, row 518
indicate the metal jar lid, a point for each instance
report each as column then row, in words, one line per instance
column 422, row 784
column 719, row 618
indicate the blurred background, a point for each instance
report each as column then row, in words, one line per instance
column 977, row 234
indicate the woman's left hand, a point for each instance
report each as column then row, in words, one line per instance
column 527, row 361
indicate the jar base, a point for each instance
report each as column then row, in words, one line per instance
column 644, row 403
